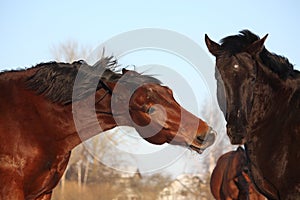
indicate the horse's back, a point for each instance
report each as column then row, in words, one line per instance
column 229, row 180
column 222, row 179
column 217, row 176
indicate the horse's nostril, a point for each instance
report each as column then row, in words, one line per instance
column 209, row 137
column 201, row 138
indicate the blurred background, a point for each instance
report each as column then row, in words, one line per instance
column 40, row 31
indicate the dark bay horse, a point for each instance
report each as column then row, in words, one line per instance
column 38, row 129
column 230, row 179
column 259, row 94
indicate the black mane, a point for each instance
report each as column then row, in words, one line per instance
column 237, row 43
column 278, row 64
column 56, row 80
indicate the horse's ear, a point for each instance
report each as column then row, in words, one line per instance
column 213, row 47
column 257, row 46
column 130, row 72
column 124, row 71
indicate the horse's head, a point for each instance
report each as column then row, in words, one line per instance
column 236, row 72
column 142, row 102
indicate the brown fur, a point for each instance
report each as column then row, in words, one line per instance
column 230, row 180
column 38, row 111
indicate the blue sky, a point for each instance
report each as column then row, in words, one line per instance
column 30, row 28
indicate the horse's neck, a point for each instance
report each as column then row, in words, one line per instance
column 69, row 124
column 271, row 98
column 90, row 121
column 273, row 117
column 87, row 121
column 272, row 134
column 271, row 109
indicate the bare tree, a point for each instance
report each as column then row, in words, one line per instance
column 216, row 119
column 70, row 51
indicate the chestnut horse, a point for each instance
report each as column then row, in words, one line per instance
column 260, row 99
column 230, row 179
column 38, row 128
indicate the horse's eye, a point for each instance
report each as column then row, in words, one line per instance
column 151, row 110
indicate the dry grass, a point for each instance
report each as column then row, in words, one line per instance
column 89, row 192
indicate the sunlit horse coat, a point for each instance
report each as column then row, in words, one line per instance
column 47, row 110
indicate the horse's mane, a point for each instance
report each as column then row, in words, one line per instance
column 278, row 64
column 56, row 80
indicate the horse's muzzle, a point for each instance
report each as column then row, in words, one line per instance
column 236, row 136
column 210, row 136
column 208, row 140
